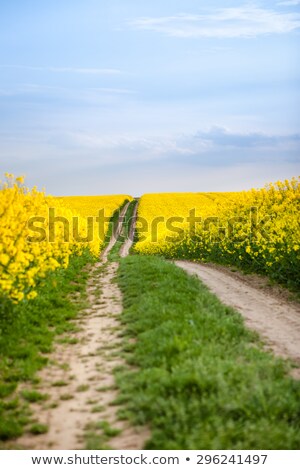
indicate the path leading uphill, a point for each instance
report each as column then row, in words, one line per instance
column 125, row 248
column 80, row 412
column 116, row 233
column 275, row 318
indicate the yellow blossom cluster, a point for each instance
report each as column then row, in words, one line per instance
column 257, row 230
column 37, row 236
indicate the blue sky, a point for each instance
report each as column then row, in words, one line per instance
column 125, row 96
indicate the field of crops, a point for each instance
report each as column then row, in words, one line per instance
column 257, row 230
column 201, row 379
column 39, row 233
column 94, row 214
column 90, row 206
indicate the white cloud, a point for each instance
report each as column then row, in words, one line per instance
column 112, row 149
column 79, row 70
column 224, row 138
column 245, row 22
column 117, row 148
column 214, row 145
column 93, row 163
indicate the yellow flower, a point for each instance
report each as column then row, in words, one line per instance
column 266, row 217
column 4, row 259
column 23, row 259
column 20, row 179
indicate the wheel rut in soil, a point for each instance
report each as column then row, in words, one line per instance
column 276, row 319
column 80, row 377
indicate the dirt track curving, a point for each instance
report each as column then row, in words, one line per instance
column 276, row 319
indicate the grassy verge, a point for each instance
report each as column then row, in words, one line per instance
column 26, row 337
column 203, row 379
column 113, row 223
column 114, row 253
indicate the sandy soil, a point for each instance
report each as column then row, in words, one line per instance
column 276, row 319
column 124, row 251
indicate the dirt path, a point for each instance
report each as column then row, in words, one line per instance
column 276, row 319
column 124, row 251
column 80, row 378
column 115, row 234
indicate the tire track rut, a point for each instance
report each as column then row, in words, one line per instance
column 80, row 378
column 276, row 320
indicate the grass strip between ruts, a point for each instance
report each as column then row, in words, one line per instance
column 127, row 221
column 113, row 224
column 201, row 379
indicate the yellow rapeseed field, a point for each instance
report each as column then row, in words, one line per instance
column 39, row 233
column 102, row 207
column 257, row 230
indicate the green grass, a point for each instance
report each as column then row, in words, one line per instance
column 27, row 333
column 38, row 428
column 114, row 253
column 66, row 396
column 204, row 381
column 68, row 340
column 104, row 426
column 60, row 383
column 33, row 396
column 98, row 409
column 82, row 388
column 97, row 435
column 95, row 441
column 113, row 223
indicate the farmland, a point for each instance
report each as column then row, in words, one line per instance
column 255, row 230
column 39, row 233
column 133, row 348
